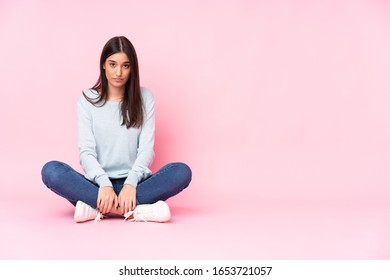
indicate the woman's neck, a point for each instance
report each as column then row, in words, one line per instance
column 115, row 94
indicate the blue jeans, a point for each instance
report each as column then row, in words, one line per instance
column 73, row 186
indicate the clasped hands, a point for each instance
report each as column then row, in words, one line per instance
column 108, row 201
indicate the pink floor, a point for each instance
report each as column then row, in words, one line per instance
column 41, row 227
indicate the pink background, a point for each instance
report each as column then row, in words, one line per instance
column 281, row 108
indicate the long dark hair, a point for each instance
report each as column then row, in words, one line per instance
column 131, row 108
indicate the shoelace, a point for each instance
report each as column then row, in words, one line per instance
column 99, row 217
column 135, row 217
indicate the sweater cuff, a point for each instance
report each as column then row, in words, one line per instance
column 103, row 181
column 132, row 179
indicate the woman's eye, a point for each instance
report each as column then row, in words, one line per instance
column 126, row 66
column 112, row 65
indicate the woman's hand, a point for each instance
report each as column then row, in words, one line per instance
column 127, row 198
column 107, row 199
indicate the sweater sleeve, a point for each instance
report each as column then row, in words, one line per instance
column 87, row 146
column 145, row 151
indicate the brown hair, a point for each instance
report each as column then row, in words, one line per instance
column 131, row 107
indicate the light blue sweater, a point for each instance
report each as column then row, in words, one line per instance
column 110, row 150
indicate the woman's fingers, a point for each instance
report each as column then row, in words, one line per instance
column 127, row 199
column 106, row 199
column 132, row 203
column 109, row 203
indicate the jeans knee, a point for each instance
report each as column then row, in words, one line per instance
column 184, row 172
column 50, row 172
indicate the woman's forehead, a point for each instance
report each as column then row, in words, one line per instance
column 118, row 57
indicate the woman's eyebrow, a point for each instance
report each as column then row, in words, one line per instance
column 110, row 60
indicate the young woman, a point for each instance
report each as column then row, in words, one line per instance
column 116, row 138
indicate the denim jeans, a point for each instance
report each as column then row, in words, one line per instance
column 73, row 186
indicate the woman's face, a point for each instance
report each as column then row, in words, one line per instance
column 117, row 68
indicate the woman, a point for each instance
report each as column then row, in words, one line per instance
column 116, row 138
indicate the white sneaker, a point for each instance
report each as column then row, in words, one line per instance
column 83, row 212
column 156, row 212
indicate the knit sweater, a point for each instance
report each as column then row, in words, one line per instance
column 109, row 149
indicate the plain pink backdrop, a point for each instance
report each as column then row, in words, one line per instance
column 281, row 108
